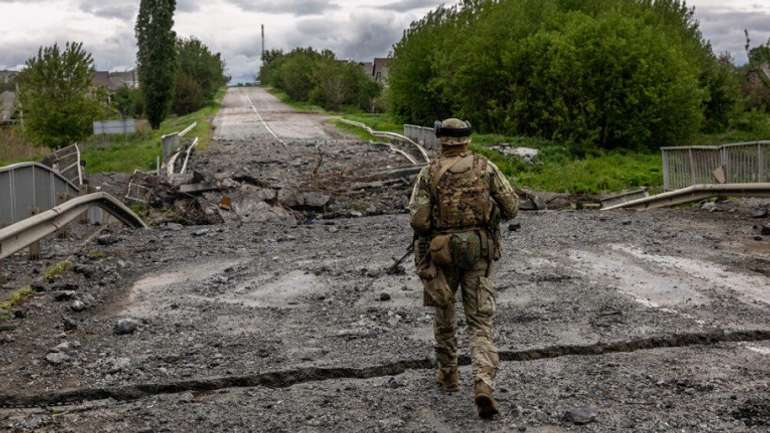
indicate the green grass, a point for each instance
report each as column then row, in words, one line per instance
column 15, row 299
column 141, row 150
column 57, row 270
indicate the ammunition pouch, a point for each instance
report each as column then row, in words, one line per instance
column 440, row 250
column 436, row 288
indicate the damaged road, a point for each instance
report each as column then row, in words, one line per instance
column 649, row 322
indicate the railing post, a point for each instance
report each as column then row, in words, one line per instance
column 34, row 248
column 63, row 232
column 761, row 164
column 692, row 168
column 666, row 173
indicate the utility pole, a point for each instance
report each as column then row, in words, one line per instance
column 263, row 44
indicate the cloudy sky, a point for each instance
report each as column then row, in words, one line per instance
column 355, row 29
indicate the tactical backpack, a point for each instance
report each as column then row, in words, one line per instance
column 461, row 196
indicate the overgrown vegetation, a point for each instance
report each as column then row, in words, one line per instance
column 156, row 57
column 200, row 73
column 16, row 298
column 55, row 91
column 139, row 151
column 307, row 75
column 634, row 74
column 14, row 147
column 57, row 270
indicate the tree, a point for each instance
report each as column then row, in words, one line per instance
column 609, row 73
column 55, row 91
column 128, row 102
column 202, row 73
column 157, row 57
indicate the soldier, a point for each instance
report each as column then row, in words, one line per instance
column 456, row 207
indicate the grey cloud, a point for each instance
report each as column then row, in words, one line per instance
column 294, row 7
column 410, row 5
column 362, row 36
column 725, row 29
column 123, row 10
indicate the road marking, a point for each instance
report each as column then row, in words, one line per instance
column 261, row 119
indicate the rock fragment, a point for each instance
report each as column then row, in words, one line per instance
column 57, row 358
column 125, row 327
column 78, row 306
column 759, row 212
column 581, row 415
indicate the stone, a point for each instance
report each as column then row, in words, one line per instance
column 356, row 214
column 172, row 227
column 200, row 233
column 106, row 240
column 63, row 347
column 710, row 206
column 514, row 227
column 315, row 199
column 57, row 358
column 78, row 306
column 581, row 416
column 66, row 295
column 759, row 212
column 38, row 285
column 69, row 323
column 385, row 297
column 119, row 364
column 125, row 326
column 84, row 270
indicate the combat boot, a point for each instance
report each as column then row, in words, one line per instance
column 448, row 379
column 484, row 402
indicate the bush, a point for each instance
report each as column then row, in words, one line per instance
column 612, row 73
column 188, row 96
column 306, row 75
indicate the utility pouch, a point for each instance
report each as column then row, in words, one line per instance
column 440, row 250
column 436, row 288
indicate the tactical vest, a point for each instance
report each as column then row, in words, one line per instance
column 461, row 196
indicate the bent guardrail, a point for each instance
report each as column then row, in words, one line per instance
column 25, row 233
column 696, row 193
column 30, row 187
column 388, row 135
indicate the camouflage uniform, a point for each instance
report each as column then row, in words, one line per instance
column 478, row 295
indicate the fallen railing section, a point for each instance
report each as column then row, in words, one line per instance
column 29, row 188
column 25, row 233
column 696, row 193
column 389, row 136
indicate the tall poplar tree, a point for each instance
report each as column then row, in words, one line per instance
column 156, row 57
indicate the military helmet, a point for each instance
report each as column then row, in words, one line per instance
column 453, row 132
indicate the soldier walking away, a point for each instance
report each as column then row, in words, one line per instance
column 457, row 205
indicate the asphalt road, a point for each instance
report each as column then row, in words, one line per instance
column 653, row 321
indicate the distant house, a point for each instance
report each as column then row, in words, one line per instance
column 112, row 81
column 7, row 105
column 381, row 70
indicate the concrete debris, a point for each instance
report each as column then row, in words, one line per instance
column 78, row 306
column 526, row 154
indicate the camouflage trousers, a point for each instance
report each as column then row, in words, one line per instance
column 478, row 298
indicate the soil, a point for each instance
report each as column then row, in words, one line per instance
column 651, row 321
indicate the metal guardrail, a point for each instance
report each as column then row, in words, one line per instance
column 66, row 161
column 31, row 230
column 388, row 135
column 693, row 165
column 423, row 135
column 696, row 193
column 31, row 187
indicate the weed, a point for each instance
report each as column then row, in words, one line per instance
column 15, row 299
column 57, row 270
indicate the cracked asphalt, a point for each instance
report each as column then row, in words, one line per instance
column 302, row 298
